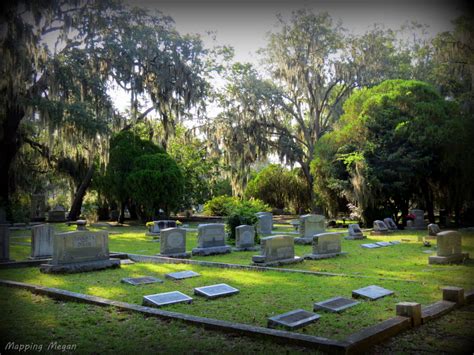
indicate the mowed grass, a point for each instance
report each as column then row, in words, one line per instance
column 262, row 294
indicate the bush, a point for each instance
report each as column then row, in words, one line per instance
column 219, row 206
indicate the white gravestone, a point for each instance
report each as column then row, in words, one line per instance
column 42, row 241
column 310, row 224
column 449, row 249
column 211, row 240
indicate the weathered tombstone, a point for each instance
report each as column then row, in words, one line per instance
column 245, row 238
column 433, row 229
column 57, row 214
column 173, row 243
column 371, row 292
column 293, row 320
column 181, row 275
column 390, row 223
column 276, row 250
column 167, row 298
column 449, row 249
column 80, row 251
column 215, row 291
column 354, row 232
column 335, row 304
column 264, row 223
column 211, row 240
column 380, row 228
column 42, row 241
column 4, row 243
column 419, row 221
column 38, row 207
column 326, row 245
column 159, row 225
column 310, row 224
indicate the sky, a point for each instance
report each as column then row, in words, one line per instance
column 244, row 24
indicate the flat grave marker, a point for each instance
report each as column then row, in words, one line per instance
column 335, row 304
column 181, row 275
column 144, row 280
column 292, row 320
column 215, row 291
column 167, row 298
column 372, row 292
column 384, row 244
column 370, row 246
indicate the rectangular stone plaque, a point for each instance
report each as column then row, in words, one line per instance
column 335, row 304
column 80, row 246
column 395, row 242
column 141, row 280
column 293, row 320
column 167, row 298
column 180, row 275
column 370, row 246
column 371, row 292
column 215, row 291
column 384, row 244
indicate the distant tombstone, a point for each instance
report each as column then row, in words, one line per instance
column 380, row 228
column 326, row 245
column 161, row 224
column 390, row 223
column 310, row 224
column 173, row 243
column 4, row 243
column 335, row 304
column 38, row 207
column 354, row 232
column 245, row 238
column 211, row 240
column 265, row 222
column 57, row 214
column 419, row 221
column 449, row 249
column 181, row 275
column 279, row 249
column 42, row 241
column 80, row 251
column 370, row 246
column 144, row 280
column 433, row 229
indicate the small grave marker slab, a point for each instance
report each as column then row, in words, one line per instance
column 370, row 246
column 141, row 280
column 395, row 242
column 296, row 319
column 180, row 275
column 167, row 298
column 384, row 244
column 126, row 262
column 371, row 292
column 215, row 291
column 335, row 304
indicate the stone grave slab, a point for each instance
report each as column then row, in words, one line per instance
column 245, row 238
column 335, row 304
column 354, row 232
column 419, row 221
column 370, row 246
column 433, row 229
column 384, row 244
column 310, row 224
column 395, row 242
column 380, row 228
column 181, row 275
column 265, row 222
column 145, row 280
column 41, row 241
column 277, row 250
column 390, row 223
column 126, row 262
column 326, row 245
column 292, row 320
column 449, row 249
column 372, row 292
column 167, row 298
column 173, row 243
column 216, row 291
column 211, row 240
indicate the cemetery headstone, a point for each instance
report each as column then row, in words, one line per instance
column 181, row 275
column 211, row 240
column 380, row 228
column 419, row 221
column 38, row 207
column 310, row 224
column 4, row 243
column 144, row 280
column 57, row 214
column 276, row 250
column 173, row 243
column 264, row 223
column 215, row 291
column 157, row 226
column 371, row 292
column 166, row 298
column 245, row 238
column 354, row 232
column 390, row 223
column 326, row 245
column 292, row 320
column 335, row 304
column 449, row 249
column 42, row 241
column 433, row 229
column 80, row 251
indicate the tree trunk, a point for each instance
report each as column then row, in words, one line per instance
column 429, row 205
column 121, row 218
column 309, row 181
column 75, row 211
